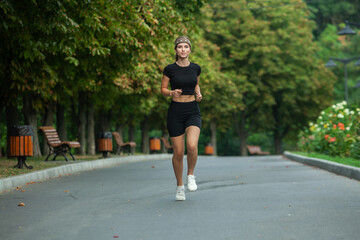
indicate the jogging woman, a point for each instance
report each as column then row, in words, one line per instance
column 184, row 116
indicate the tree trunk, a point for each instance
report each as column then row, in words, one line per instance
column 1, row 134
column 240, row 129
column 31, row 119
column 90, row 129
column 145, row 148
column 119, row 129
column 278, row 143
column 132, row 135
column 1, row 153
column 213, row 135
column 82, row 124
column 278, row 131
column 48, row 121
column 60, row 122
column 12, row 118
column 104, row 120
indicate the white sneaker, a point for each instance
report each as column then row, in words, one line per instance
column 191, row 184
column 180, row 193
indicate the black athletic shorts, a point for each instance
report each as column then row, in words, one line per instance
column 182, row 115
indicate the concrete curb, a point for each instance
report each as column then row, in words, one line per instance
column 13, row 182
column 344, row 170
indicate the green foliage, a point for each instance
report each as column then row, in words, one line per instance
column 29, row 34
column 355, row 150
column 188, row 9
column 328, row 43
column 333, row 12
column 332, row 45
column 270, row 55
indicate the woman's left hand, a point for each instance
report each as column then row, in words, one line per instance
column 198, row 97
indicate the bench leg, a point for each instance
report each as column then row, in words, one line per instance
column 121, row 150
column 51, row 152
column 64, row 155
column 72, row 156
column 48, row 156
column 55, row 155
column 62, row 150
column 127, row 149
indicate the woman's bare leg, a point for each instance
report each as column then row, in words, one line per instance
column 192, row 139
column 177, row 159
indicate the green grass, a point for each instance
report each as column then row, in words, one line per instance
column 7, row 165
column 346, row 161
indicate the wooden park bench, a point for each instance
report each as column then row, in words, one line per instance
column 256, row 150
column 167, row 145
column 121, row 145
column 56, row 146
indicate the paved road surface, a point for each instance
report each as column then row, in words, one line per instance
column 238, row 198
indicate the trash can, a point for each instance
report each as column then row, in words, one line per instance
column 104, row 143
column 209, row 150
column 21, row 144
column 155, row 144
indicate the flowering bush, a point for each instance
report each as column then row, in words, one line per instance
column 336, row 132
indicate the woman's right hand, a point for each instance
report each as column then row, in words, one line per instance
column 175, row 93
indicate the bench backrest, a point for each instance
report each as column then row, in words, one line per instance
column 51, row 135
column 253, row 149
column 118, row 138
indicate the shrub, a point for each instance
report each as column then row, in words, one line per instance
column 336, row 132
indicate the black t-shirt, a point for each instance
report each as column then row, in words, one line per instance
column 184, row 78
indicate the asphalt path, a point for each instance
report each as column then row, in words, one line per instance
column 237, row 198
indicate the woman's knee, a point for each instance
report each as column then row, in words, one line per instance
column 191, row 147
column 178, row 155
